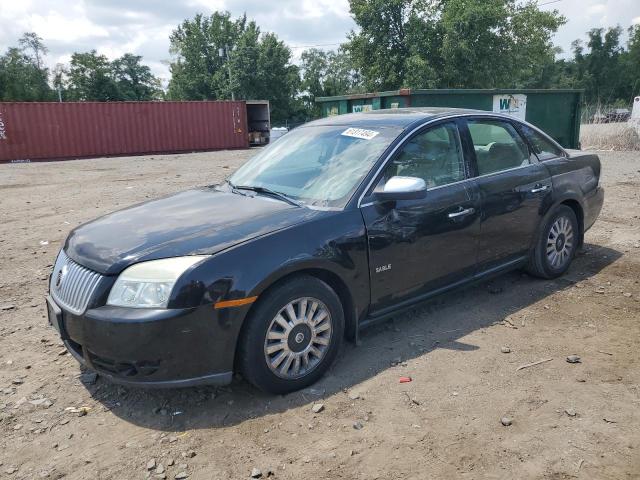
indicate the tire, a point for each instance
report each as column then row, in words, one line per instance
column 556, row 245
column 263, row 361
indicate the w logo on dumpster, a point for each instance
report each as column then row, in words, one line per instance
column 511, row 104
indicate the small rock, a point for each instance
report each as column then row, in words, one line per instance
column 17, row 381
column 173, row 439
column 570, row 411
column 317, row 408
column 7, row 307
column 573, row 359
column 190, row 454
column 256, row 473
column 353, row 395
column 151, row 464
column 357, row 425
column 171, row 462
column 505, row 350
column 506, row 421
column 17, row 426
column 41, row 402
column 11, row 470
column 159, row 468
column 181, row 475
column 627, row 294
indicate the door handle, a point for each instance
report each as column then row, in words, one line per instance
column 538, row 189
column 462, row 213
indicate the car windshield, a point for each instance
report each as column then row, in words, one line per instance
column 316, row 165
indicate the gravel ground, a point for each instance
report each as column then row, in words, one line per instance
column 567, row 420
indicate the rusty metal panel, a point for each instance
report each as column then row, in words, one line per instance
column 47, row 130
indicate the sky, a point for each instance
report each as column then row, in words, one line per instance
column 115, row 27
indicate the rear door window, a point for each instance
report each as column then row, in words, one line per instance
column 542, row 147
column 498, row 146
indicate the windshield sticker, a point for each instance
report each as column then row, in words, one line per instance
column 360, row 133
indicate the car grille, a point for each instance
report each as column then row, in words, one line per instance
column 72, row 285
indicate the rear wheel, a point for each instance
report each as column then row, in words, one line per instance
column 556, row 245
column 292, row 336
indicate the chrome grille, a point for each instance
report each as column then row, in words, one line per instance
column 72, row 285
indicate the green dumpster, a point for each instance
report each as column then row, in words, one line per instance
column 557, row 111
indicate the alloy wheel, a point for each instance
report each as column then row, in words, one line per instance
column 298, row 338
column 560, row 242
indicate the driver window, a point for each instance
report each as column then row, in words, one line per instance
column 435, row 156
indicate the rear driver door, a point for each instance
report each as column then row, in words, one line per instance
column 512, row 185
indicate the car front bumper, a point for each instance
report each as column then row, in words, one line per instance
column 161, row 348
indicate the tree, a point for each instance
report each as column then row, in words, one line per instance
column 218, row 55
column 90, row 78
column 21, row 80
column 134, row 81
column 199, row 71
column 451, row 43
column 631, row 62
column 32, row 42
column 325, row 74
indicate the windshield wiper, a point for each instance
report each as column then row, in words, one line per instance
column 266, row 191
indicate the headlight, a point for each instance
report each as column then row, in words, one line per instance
column 149, row 284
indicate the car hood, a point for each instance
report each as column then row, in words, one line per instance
column 200, row 221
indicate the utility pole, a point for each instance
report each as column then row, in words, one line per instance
column 224, row 53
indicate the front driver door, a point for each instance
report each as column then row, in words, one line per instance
column 419, row 246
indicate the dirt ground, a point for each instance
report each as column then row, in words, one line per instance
column 568, row 420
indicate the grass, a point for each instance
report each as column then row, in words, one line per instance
column 610, row 136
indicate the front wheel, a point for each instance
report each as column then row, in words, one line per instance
column 292, row 336
column 556, row 245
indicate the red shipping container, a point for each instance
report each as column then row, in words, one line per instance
column 47, row 130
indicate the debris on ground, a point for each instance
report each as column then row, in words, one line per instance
column 256, row 473
column 505, row 350
column 405, row 379
column 506, row 421
column 573, row 359
column 527, row 365
column 317, row 408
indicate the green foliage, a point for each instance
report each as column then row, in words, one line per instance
column 218, row 56
column 451, row 43
column 325, row 74
column 90, row 78
column 22, row 76
column 134, row 81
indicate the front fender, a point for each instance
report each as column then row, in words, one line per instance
column 334, row 242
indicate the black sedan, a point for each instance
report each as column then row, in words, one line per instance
column 339, row 224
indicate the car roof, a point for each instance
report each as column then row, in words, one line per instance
column 393, row 117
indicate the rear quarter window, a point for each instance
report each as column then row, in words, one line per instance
column 542, row 147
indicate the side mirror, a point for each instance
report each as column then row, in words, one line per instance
column 402, row 188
